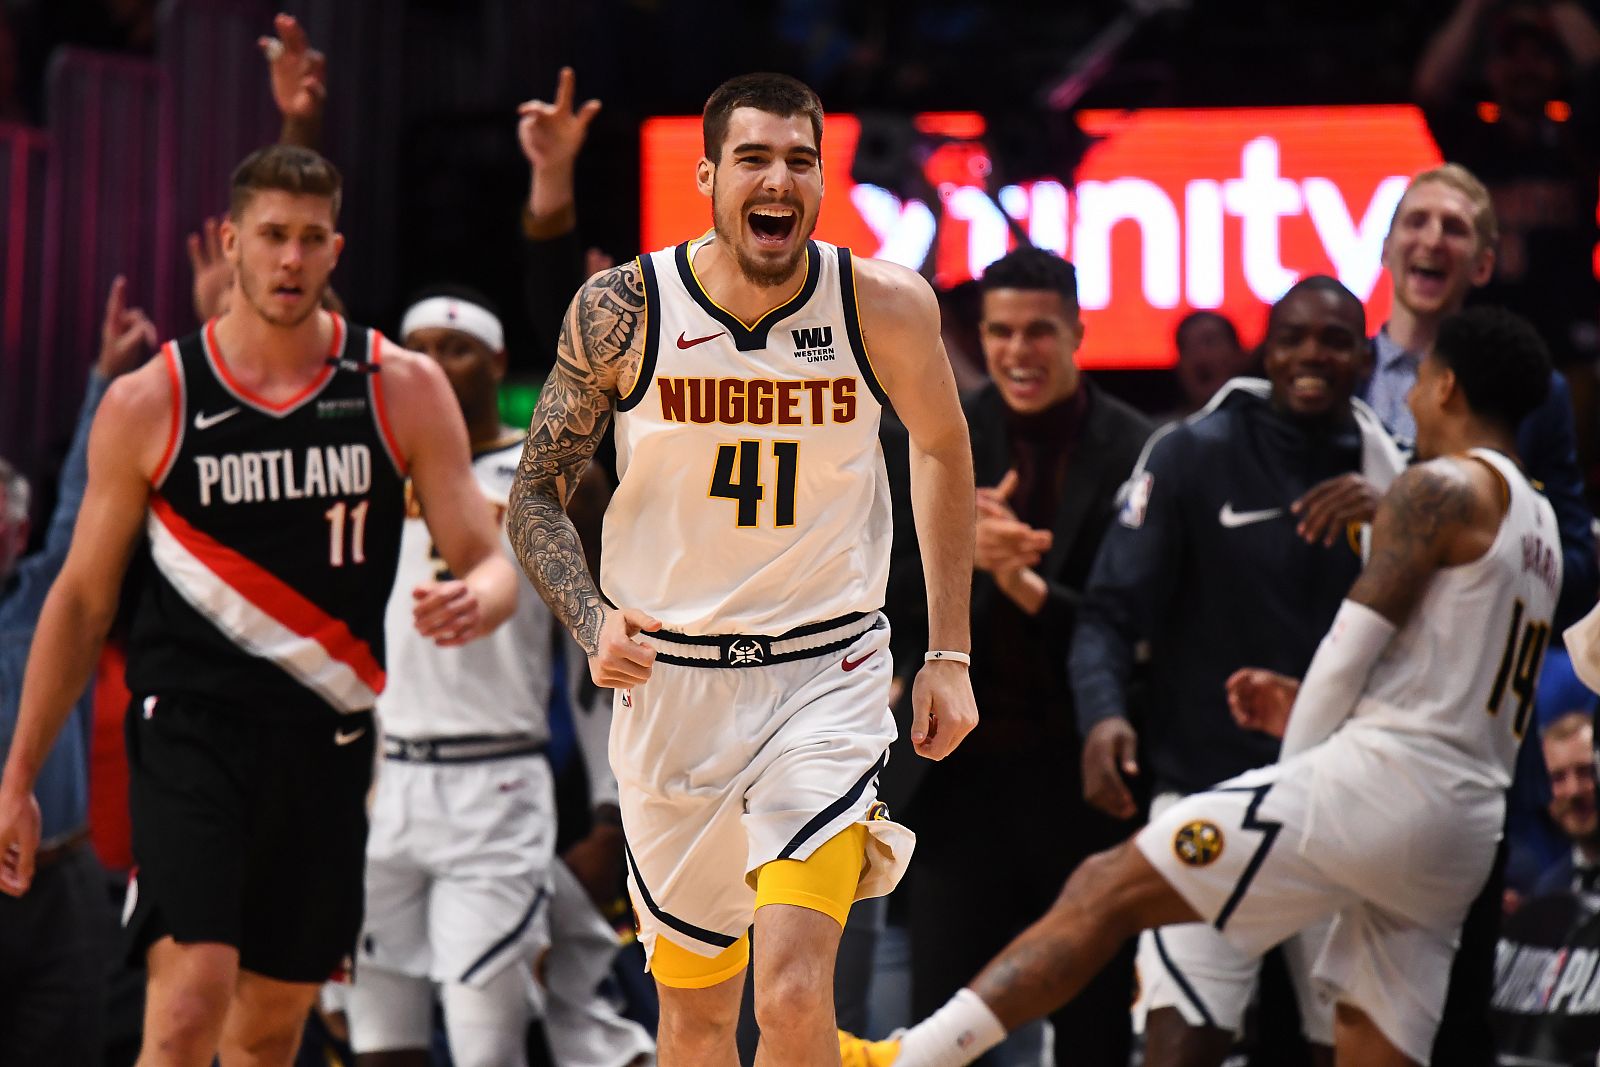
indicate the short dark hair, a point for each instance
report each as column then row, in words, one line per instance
column 776, row 94
column 1197, row 318
column 284, row 167
column 1032, row 268
column 1499, row 360
column 1319, row 283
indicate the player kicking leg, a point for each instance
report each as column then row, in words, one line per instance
column 1389, row 800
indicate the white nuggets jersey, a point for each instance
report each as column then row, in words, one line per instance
column 752, row 497
column 1463, row 668
column 498, row 684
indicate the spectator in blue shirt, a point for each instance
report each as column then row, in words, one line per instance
column 52, row 939
column 1441, row 246
column 1569, row 756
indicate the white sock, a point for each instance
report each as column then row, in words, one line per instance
column 953, row 1036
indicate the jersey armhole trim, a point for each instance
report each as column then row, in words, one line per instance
column 1500, row 480
column 852, row 326
column 180, row 409
column 380, row 411
column 652, row 335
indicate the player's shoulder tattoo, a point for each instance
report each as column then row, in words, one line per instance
column 1429, row 500
column 1423, row 509
column 608, row 323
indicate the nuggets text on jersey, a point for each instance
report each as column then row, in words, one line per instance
column 758, row 401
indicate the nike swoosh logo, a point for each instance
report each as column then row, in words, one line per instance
column 848, row 664
column 685, row 341
column 341, row 737
column 1232, row 520
column 202, row 421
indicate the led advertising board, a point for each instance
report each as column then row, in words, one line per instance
column 1168, row 210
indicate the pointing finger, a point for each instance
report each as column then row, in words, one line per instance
column 566, row 83
column 115, row 299
column 291, row 33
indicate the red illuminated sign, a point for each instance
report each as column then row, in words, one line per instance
column 1169, row 211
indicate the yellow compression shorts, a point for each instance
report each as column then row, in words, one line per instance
column 825, row 881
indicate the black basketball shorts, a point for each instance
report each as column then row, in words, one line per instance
column 248, row 830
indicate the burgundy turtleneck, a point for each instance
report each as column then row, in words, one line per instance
column 1041, row 445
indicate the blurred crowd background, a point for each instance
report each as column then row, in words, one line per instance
column 120, row 121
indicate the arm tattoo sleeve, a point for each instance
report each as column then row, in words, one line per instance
column 600, row 342
column 1414, row 524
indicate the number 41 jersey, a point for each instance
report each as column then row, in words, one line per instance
column 274, row 531
column 752, row 497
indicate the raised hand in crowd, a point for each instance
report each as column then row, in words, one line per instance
column 213, row 274
column 126, row 335
column 1329, row 507
column 298, row 74
column 551, row 135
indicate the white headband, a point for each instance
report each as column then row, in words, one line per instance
column 452, row 313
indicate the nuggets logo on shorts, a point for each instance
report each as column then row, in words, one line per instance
column 878, row 811
column 1198, row 844
column 745, row 653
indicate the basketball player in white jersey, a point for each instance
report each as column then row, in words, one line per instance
column 1386, row 807
column 746, row 555
column 461, row 873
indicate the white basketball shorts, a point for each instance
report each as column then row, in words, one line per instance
column 722, row 769
column 458, row 868
column 1381, row 833
column 1194, row 969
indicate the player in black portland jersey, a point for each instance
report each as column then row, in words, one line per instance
column 265, row 458
column 267, row 618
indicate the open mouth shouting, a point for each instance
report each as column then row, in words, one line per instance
column 772, row 225
column 1428, row 281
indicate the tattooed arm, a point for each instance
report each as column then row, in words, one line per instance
column 1437, row 514
column 602, row 340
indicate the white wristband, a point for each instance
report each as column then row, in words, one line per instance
column 957, row 657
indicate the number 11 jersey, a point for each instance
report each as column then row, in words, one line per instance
column 274, row 531
column 752, row 496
